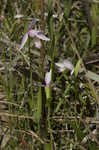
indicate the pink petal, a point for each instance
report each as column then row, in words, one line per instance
column 38, row 34
column 23, row 41
column 68, row 64
column 48, row 78
column 42, row 37
column 65, row 64
column 32, row 24
column 60, row 64
column 33, row 33
column 1, row 18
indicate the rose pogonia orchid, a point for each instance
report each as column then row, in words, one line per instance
column 36, row 34
column 65, row 64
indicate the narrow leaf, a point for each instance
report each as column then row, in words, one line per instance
column 93, row 36
column 7, row 24
column 93, row 76
column 39, row 109
column 77, row 67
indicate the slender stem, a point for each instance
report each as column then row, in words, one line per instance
column 49, row 99
column 42, row 50
column 42, row 118
column 31, row 80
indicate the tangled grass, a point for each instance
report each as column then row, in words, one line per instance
column 49, row 89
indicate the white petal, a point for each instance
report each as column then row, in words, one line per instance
column 18, row 16
column 48, row 78
column 23, row 41
column 72, row 71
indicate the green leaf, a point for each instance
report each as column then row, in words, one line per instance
column 93, row 146
column 94, row 19
column 93, row 36
column 77, row 67
column 94, row 11
column 71, row 146
column 93, row 76
column 39, row 109
column 67, row 5
column 62, row 99
column 13, row 26
column 25, row 27
column 47, row 146
column 7, row 25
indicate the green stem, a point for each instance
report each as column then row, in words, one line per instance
column 31, row 80
column 49, row 99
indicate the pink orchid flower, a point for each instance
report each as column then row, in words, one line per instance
column 65, row 64
column 36, row 34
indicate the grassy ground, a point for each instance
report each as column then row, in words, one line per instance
column 42, row 108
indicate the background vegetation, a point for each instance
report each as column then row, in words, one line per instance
column 65, row 114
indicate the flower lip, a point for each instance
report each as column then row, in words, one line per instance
column 37, row 43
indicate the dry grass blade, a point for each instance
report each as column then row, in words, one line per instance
column 33, row 134
column 17, row 116
column 6, row 102
column 36, row 136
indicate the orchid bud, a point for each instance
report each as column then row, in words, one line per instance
column 48, row 78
